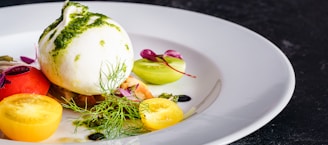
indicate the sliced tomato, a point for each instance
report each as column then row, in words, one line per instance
column 27, row 80
column 29, row 117
column 159, row 113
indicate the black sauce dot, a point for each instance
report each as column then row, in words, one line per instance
column 96, row 136
column 184, row 98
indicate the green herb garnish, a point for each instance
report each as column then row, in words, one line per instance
column 168, row 96
column 6, row 58
column 116, row 116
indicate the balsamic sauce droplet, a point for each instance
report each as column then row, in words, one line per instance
column 96, row 136
column 184, row 98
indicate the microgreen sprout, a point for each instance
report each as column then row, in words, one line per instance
column 172, row 53
column 152, row 56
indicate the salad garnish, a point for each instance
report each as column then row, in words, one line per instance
column 97, row 81
column 152, row 56
column 111, row 115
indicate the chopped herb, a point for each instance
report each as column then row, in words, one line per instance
column 102, row 43
column 171, row 97
column 77, row 57
column 6, row 58
column 115, row 116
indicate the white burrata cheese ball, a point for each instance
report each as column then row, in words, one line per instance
column 85, row 52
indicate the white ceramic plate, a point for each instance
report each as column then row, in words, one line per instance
column 243, row 80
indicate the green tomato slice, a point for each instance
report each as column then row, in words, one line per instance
column 158, row 72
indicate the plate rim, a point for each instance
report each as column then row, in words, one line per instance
column 247, row 130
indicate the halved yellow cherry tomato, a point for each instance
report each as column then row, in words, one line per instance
column 29, row 117
column 159, row 113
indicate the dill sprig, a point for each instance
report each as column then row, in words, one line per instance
column 108, row 82
column 115, row 116
column 112, row 117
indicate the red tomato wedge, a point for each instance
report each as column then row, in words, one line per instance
column 24, row 79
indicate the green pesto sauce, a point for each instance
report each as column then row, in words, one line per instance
column 102, row 43
column 124, row 67
column 116, row 27
column 77, row 57
column 127, row 47
column 51, row 27
column 77, row 26
column 52, row 34
column 80, row 22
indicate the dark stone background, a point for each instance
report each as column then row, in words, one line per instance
column 299, row 28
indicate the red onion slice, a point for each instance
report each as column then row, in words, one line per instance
column 2, row 80
column 27, row 59
column 124, row 92
column 17, row 70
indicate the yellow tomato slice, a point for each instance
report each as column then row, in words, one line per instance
column 159, row 113
column 29, row 117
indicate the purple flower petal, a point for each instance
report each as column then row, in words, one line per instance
column 2, row 80
column 17, row 70
column 148, row 54
column 27, row 59
column 137, row 86
column 124, row 92
column 172, row 53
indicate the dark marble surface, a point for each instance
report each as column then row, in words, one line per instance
column 299, row 28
